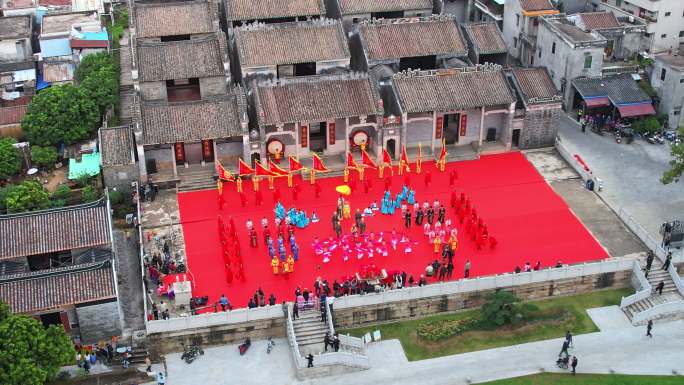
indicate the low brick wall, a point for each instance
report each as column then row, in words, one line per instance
column 415, row 308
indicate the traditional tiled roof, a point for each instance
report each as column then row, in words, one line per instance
column 316, row 98
column 291, row 43
column 349, row 7
column 48, row 231
column 486, row 37
column 165, row 122
column 620, row 89
column 570, row 31
column 14, row 27
column 271, row 9
column 394, row 39
column 116, row 146
column 170, row 19
column 11, row 115
column 196, row 58
column 536, row 85
column 452, row 90
column 52, row 289
column 599, row 20
column 536, row 5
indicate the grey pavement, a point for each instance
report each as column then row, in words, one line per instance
column 618, row 347
column 630, row 173
column 129, row 278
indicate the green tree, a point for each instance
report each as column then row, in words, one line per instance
column 102, row 86
column 677, row 162
column 94, row 63
column 29, row 353
column 10, row 159
column 646, row 126
column 60, row 114
column 500, row 308
column 89, row 194
column 44, row 156
column 27, row 196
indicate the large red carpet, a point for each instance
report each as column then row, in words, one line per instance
column 530, row 222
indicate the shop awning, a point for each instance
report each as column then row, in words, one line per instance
column 597, row 102
column 640, row 109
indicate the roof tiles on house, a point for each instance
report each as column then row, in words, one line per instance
column 599, row 20
column 271, row 9
column 172, row 19
column 536, row 85
column 447, row 90
column 316, row 99
column 196, row 58
column 291, row 43
column 116, row 146
column 536, row 5
column 403, row 38
column 349, row 7
column 486, row 37
column 165, row 122
column 54, row 230
column 55, row 288
column 620, row 89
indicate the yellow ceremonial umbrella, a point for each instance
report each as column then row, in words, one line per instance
column 343, row 189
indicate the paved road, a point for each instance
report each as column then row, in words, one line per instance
column 618, row 347
column 128, row 276
column 630, row 173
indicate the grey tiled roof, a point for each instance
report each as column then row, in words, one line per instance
column 291, row 43
column 116, row 146
column 174, row 18
column 316, row 98
column 599, row 20
column 394, row 39
column 196, row 58
column 55, row 288
column 54, row 230
column 349, row 7
column 270, row 9
column 619, row 89
column 452, row 90
column 165, row 122
column 536, row 5
column 535, row 84
column 486, row 37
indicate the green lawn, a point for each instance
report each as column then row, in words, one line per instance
column 590, row 379
column 552, row 318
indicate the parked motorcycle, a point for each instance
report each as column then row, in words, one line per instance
column 618, row 137
column 244, row 346
column 190, row 354
column 270, row 345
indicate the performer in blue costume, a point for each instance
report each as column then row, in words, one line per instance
column 271, row 251
column 391, row 207
column 384, row 206
column 411, row 198
column 281, row 241
column 302, row 220
column 398, row 201
column 404, row 192
column 279, row 211
column 281, row 253
column 295, row 252
column 292, row 214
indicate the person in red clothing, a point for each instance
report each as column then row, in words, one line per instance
column 243, row 199
column 317, row 190
column 258, row 198
column 428, row 179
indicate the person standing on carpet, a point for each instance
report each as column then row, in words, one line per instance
column 362, row 226
column 357, row 217
column 419, row 216
column 407, row 219
column 430, row 215
column 466, row 272
column 441, row 214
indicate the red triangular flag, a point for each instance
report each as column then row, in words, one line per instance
column 295, row 165
column 351, row 163
column 318, row 165
column 404, row 156
column 367, row 161
column 443, row 154
column 262, row 171
column 277, row 170
column 386, row 158
column 224, row 174
column 244, row 168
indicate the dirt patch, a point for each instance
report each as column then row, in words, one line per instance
column 119, row 377
column 55, row 179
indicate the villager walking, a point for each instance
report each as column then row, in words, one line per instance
column 649, row 327
column 466, row 273
column 574, row 365
column 309, row 360
column 668, row 261
column 660, row 287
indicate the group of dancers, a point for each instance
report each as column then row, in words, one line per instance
column 389, row 205
column 293, row 216
column 475, row 226
column 362, row 245
column 281, row 261
column 230, row 249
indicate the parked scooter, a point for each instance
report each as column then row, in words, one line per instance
column 244, row 346
column 190, row 354
column 618, row 137
column 270, row 346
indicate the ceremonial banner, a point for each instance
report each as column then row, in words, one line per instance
column 404, row 158
column 295, row 165
column 318, row 165
column 224, row 174
column 244, row 168
column 277, row 170
column 263, row 171
column 351, row 163
column 386, row 158
column 367, row 161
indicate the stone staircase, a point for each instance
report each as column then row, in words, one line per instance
column 196, row 179
column 655, row 276
column 310, row 332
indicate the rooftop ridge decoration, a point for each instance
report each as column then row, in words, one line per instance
column 354, row 75
column 40, row 274
column 417, row 19
column 261, row 26
column 411, row 73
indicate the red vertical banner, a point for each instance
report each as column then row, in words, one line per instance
column 331, row 133
column 439, row 124
column 304, row 135
column 179, row 149
column 208, row 150
column 462, row 126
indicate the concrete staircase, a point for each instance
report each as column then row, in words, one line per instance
column 655, row 276
column 310, row 332
column 196, row 179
